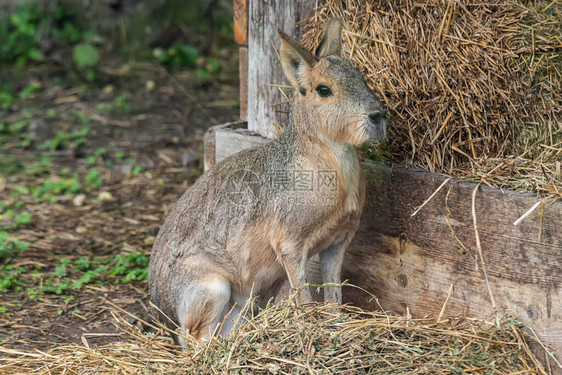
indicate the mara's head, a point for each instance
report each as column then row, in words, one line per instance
column 331, row 99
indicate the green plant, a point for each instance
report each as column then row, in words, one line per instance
column 134, row 266
column 22, row 32
column 63, row 140
column 60, row 270
column 6, row 97
column 22, row 218
column 40, row 167
column 4, row 312
column 9, row 277
column 83, row 118
column 93, row 178
column 82, row 264
column 10, row 165
column 212, row 68
column 73, row 276
column 13, row 128
column 137, row 169
column 177, row 55
column 91, row 160
column 86, row 57
column 11, row 245
column 89, row 276
column 121, row 104
column 17, row 219
column 51, row 286
column 53, row 187
column 18, row 42
column 29, row 89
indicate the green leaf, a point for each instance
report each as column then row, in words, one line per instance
column 34, row 54
column 60, row 271
column 85, row 56
column 188, row 53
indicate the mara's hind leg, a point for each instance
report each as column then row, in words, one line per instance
column 202, row 306
column 232, row 318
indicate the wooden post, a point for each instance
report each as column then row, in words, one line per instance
column 243, row 69
column 241, row 37
column 263, row 62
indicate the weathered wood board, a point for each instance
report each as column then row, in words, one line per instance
column 264, row 68
column 243, row 74
column 232, row 137
column 412, row 264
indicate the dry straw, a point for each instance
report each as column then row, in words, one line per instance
column 290, row 339
column 474, row 88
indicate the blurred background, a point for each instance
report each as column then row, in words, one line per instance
column 103, row 106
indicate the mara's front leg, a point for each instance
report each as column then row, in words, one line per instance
column 331, row 259
column 293, row 259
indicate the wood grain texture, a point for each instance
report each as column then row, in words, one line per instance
column 243, row 74
column 409, row 263
column 263, row 63
column 240, row 10
column 224, row 140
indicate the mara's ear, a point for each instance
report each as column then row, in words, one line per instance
column 294, row 60
column 331, row 43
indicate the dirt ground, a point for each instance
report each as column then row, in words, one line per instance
column 89, row 242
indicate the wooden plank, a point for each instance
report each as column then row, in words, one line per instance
column 240, row 8
column 410, row 262
column 243, row 69
column 264, row 67
column 224, row 140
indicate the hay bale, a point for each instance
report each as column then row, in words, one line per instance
column 474, row 88
column 312, row 339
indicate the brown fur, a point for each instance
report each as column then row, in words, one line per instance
column 213, row 250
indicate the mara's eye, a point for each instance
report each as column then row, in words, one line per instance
column 323, row 91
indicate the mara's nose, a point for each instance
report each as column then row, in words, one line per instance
column 376, row 117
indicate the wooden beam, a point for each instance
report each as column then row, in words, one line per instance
column 413, row 264
column 243, row 70
column 264, row 67
column 224, row 140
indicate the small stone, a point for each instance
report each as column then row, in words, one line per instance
column 105, row 196
column 78, row 200
column 123, row 169
column 81, row 229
